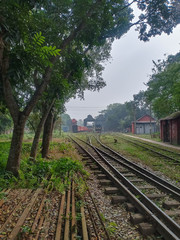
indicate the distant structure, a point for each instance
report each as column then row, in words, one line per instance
column 144, row 125
column 170, row 128
column 90, row 125
column 76, row 128
column 89, row 122
column 74, row 125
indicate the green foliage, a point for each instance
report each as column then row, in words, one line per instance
column 5, row 122
column 163, row 86
column 37, row 49
column 65, row 146
column 4, row 150
column 3, row 195
column 83, row 29
column 54, row 174
column 157, row 16
column 111, row 227
column 115, row 117
column 65, row 166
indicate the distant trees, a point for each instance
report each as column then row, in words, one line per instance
column 118, row 117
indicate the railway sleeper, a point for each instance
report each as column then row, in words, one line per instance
column 156, row 195
column 111, row 190
column 129, row 175
column 94, row 167
column 101, row 176
column 97, row 172
column 106, row 182
column 88, row 163
column 173, row 213
column 136, row 180
column 146, row 187
column 146, row 229
column 171, row 204
column 122, row 170
column 118, row 199
column 130, row 207
column 85, row 158
column 137, row 218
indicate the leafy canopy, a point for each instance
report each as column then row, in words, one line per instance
column 164, row 86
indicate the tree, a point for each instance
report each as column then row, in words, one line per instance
column 69, row 24
column 157, row 16
column 32, row 34
column 163, row 86
column 114, row 118
column 138, row 107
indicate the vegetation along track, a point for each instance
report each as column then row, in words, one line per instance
column 134, row 185
column 168, row 155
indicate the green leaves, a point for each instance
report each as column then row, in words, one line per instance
column 39, row 39
column 39, row 51
column 50, row 51
column 163, row 87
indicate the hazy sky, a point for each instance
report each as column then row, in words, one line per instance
column 127, row 72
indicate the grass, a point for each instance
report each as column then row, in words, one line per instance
column 154, row 136
column 137, row 154
column 54, row 173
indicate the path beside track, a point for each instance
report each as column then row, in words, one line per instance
column 154, row 142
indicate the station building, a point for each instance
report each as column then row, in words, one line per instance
column 144, row 125
column 170, row 128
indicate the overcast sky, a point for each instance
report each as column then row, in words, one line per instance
column 127, row 72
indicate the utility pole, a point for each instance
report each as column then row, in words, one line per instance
column 134, row 115
column 150, row 121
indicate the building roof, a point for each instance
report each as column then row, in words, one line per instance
column 145, row 119
column 89, row 119
column 172, row 116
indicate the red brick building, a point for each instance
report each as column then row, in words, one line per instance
column 170, row 128
column 144, row 125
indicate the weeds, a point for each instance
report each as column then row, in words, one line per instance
column 51, row 174
column 111, row 227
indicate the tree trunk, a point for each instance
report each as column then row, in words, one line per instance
column 52, row 128
column 13, row 163
column 35, row 143
column 47, row 134
column 38, row 132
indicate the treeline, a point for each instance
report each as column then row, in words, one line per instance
column 161, row 98
column 51, row 51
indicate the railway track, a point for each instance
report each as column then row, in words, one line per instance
column 36, row 214
column 139, row 190
column 168, row 155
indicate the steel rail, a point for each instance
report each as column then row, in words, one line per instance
column 154, row 146
column 147, row 178
column 150, row 149
column 170, row 232
column 175, row 190
column 98, row 213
